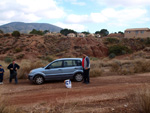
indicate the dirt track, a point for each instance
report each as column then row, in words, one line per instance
column 108, row 94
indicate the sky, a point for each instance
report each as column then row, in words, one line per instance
column 79, row 15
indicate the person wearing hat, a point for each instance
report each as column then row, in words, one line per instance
column 1, row 74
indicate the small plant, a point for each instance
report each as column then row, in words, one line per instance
column 8, row 59
column 17, row 50
column 112, row 55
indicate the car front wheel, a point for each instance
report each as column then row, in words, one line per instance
column 39, row 79
column 78, row 77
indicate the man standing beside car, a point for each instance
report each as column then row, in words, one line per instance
column 13, row 67
column 86, row 69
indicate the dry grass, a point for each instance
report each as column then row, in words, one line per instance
column 96, row 69
column 131, row 66
column 26, row 66
column 142, row 100
column 5, row 65
column 4, row 107
column 96, row 72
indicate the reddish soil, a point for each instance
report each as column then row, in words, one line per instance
column 108, row 94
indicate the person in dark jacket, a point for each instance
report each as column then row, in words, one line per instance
column 1, row 74
column 13, row 67
column 86, row 69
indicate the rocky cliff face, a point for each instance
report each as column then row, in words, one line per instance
column 32, row 46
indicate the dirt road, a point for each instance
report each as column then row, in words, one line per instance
column 108, row 94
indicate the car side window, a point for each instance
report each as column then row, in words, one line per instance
column 57, row 64
column 68, row 63
column 78, row 62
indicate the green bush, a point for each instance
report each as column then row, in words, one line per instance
column 147, row 42
column 1, row 31
column 118, row 49
column 8, row 60
column 16, row 33
column 112, row 40
column 36, row 32
column 112, row 55
column 17, row 50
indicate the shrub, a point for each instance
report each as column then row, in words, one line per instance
column 8, row 59
column 147, row 42
column 119, row 49
column 17, row 50
column 16, row 34
column 112, row 40
column 36, row 32
column 112, row 55
column 115, row 66
column 1, row 31
column 96, row 72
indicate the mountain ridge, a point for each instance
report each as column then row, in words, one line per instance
column 27, row 27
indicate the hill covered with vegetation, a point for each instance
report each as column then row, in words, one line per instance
column 27, row 27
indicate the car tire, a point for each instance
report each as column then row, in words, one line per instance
column 38, row 79
column 78, row 77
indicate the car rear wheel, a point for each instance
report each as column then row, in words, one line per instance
column 78, row 77
column 39, row 79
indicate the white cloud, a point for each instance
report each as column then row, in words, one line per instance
column 124, row 3
column 125, row 14
column 77, row 19
column 98, row 18
column 76, row 2
column 76, row 27
column 109, row 15
column 29, row 10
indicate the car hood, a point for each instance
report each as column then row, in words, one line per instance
column 37, row 69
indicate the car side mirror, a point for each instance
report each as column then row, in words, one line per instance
column 48, row 67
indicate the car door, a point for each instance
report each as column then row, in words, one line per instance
column 69, row 69
column 54, row 71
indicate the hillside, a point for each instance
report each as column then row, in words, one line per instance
column 34, row 46
column 27, row 27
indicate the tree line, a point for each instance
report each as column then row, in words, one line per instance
column 102, row 32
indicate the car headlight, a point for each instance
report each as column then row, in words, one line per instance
column 31, row 71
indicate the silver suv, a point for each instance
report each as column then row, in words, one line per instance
column 60, row 69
